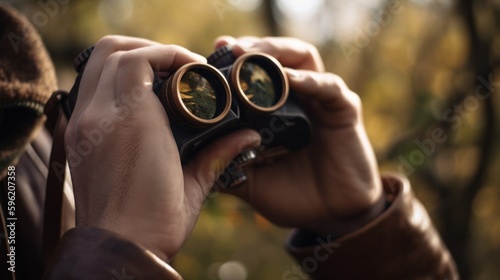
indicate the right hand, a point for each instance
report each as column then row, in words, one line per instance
column 130, row 180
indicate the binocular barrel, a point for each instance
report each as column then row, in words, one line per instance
column 205, row 101
column 197, row 94
column 259, row 81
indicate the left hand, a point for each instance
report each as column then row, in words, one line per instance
column 332, row 186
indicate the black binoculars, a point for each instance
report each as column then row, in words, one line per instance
column 205, row 101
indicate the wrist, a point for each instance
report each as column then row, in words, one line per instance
column 162, row 247
column 158, row 253
column 345, row 225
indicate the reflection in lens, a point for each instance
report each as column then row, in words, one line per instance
column 257, row 85
column 198, row 95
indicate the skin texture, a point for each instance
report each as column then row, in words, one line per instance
column 130, row 181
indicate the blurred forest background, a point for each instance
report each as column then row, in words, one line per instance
column 427, row 72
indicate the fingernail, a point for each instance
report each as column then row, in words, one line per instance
column 199, row 58
column 225, row 40
column 245, row 44
column 294, row 74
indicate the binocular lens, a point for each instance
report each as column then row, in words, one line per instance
column 260, row 82
column 257, row 85
column 198, row 94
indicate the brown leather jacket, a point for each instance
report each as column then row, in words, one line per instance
column 399, row 244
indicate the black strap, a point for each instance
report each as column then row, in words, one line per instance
column 56, row 124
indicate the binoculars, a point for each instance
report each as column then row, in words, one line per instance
column 206, row 101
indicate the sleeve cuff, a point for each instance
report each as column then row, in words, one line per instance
column 93, row 253
column 399, row 244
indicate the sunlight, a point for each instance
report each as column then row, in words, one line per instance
column 245, row 5
column 300, row 10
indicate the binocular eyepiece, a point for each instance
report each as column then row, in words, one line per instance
column 200, row 95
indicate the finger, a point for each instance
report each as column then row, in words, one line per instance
column 328, row 90
column 95, row 65
column 290, row 52
column 129, row 76
column 202, row 171
column 221, row 41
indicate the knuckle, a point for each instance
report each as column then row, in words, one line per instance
column 109, row 43
column 311, row 49
column 336, row 82
column 354, row 99
column 123, row 60
column 75, row 128
column 114, row 56
column 69, row 134
column 126, row 59
column 307, row 47
column 86, row 121
column 176, row 49
column 338, row 86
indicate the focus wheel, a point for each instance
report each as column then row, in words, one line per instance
column 82, row 58
column 222, row 57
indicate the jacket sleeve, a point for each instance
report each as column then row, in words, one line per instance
column 93, row 253
column 400, row 244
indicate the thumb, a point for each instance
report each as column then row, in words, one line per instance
column 206, row 167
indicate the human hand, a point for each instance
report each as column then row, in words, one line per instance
column 332, row 186
column 129, row 179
